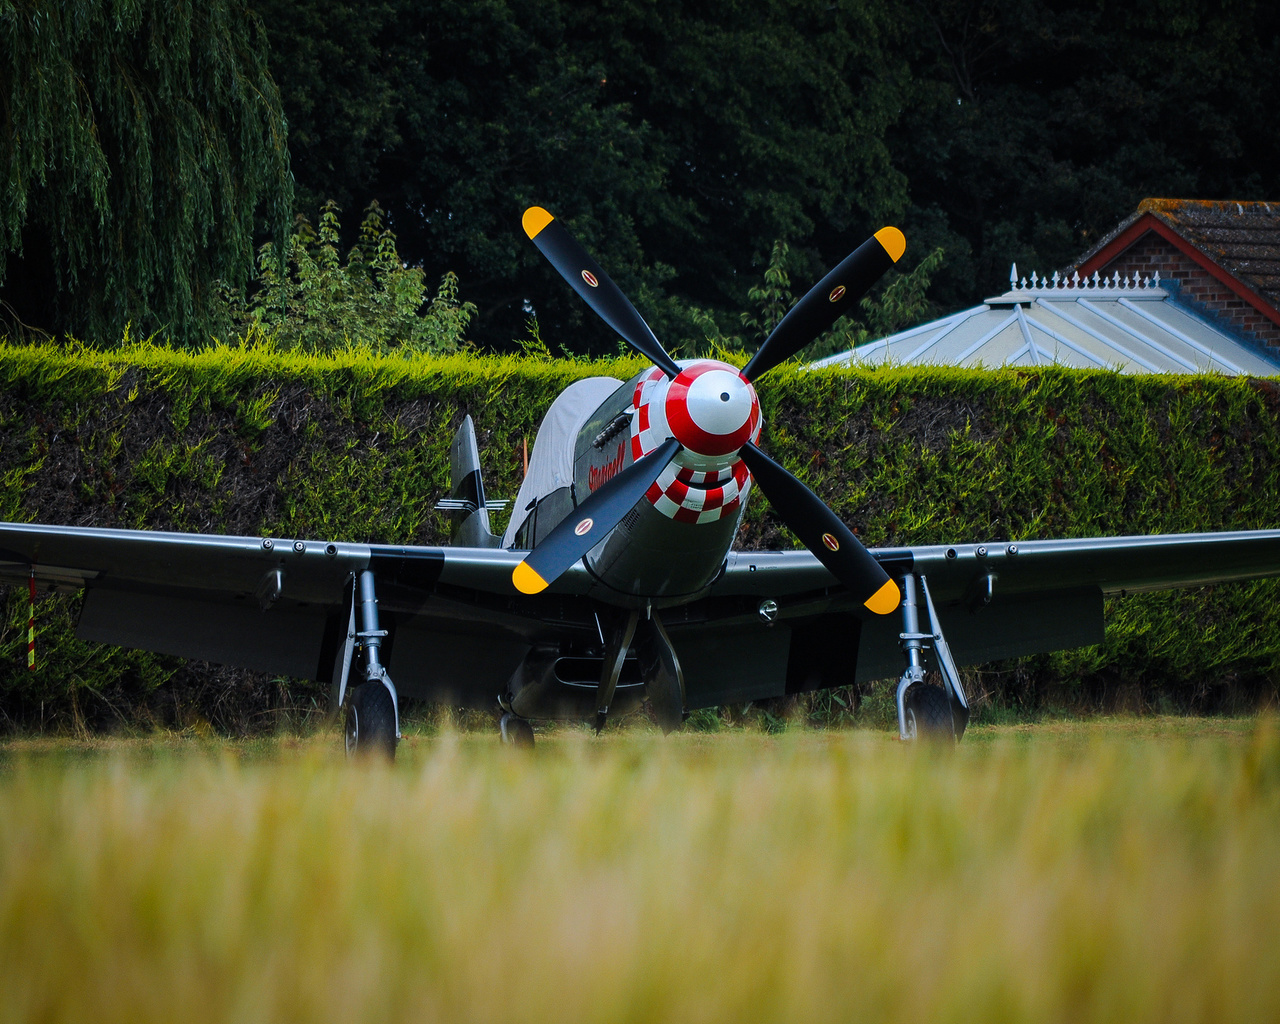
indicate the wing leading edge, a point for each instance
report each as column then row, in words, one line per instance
column 315, row 571
column 1110, row 564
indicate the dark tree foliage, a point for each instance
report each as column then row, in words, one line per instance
column 772, row 118
column 677, row 140
column 453, row 116
column 680, row 139
column 1032, row 128
column 342, row 73
column 140, row 140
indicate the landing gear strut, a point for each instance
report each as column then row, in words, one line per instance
column 927, row 712
column 621, row 634
column 372, row 724
column 660, row 669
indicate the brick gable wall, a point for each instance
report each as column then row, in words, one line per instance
column 1196, row 287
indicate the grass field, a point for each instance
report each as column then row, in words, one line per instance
column 1120, row 870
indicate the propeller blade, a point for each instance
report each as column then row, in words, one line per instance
column 821, row 531
column 828, row 300
column 595, row 286
column 587, row 525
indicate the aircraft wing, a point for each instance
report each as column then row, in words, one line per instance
column 273, row 604
column 281, row 605
column 1004, row 599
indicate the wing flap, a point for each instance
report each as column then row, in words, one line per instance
column 286, row 640
column 1007, row 628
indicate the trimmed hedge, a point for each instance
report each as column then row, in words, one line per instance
column 355, row 447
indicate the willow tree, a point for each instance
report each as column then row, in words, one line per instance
column 140, row 140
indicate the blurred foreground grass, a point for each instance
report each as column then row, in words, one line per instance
column 1122, row 871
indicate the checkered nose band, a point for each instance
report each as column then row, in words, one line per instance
column 688, row 496
column 706, row 481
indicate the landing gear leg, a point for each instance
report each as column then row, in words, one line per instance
column 927, row 712
column 373, row 712
column 619, row 642
column 660, row 669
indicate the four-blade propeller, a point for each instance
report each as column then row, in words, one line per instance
column 818, row 528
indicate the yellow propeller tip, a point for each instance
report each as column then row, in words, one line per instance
column 535, row 219
column 884, row 600
column 893, row 241
column 527, row 581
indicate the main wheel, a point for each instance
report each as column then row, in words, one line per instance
column 516, row 732
column 371, row 721
column 929, row 715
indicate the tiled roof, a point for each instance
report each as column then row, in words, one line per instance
column 1243, row 238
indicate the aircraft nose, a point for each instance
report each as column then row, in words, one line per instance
column 719, row 402
column 712, row 409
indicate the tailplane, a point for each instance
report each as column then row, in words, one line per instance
column 466, row 505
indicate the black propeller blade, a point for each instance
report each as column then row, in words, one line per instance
column 828, row 300
column 816, row 525
column 823, row 533
column 595, row 286
column 588, row 524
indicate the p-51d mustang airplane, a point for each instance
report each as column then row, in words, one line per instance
column 615, row 580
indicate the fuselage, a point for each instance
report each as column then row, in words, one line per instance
column 673, row 543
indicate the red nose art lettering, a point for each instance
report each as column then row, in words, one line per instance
column 830, row 542
column 598, row 476
column 584, row 527
column 590, row 278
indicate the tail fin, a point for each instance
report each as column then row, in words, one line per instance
column 466, row 502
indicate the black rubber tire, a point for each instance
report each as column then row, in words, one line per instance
column 515, row 732
column 371, row 722
column 929, row 715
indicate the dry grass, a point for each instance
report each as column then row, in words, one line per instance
column 1121, row 871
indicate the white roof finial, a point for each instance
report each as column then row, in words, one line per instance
column 1013, row 274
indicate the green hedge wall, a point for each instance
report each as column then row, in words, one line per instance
column 355, row 447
